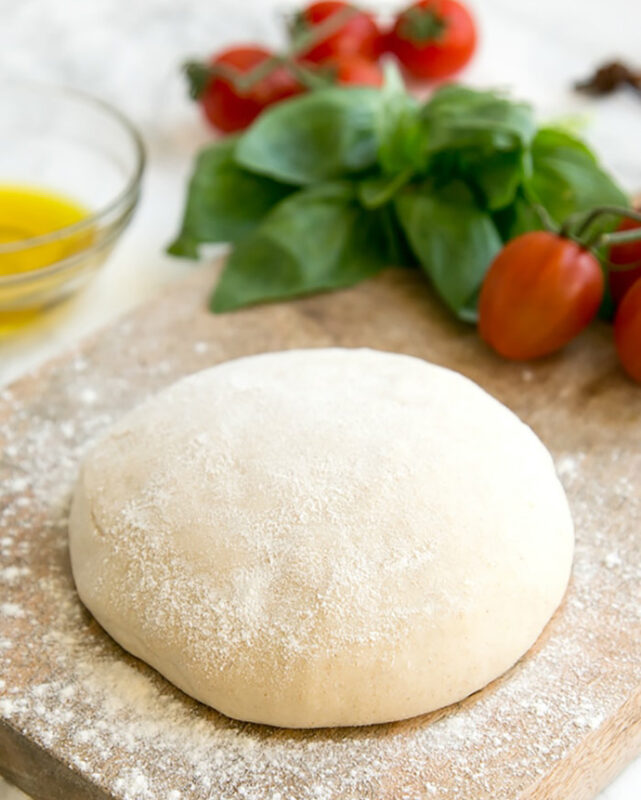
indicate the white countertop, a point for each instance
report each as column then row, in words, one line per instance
column 127, row 51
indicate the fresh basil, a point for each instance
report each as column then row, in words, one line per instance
column 224, row 202
column 496, row 176
column 519, row 217
column 317, row 239
column 326, row 189
column 453, row 240
column 400, row 129
column 377, row 190
column 313, row 138
column 566, row 176
column 458, row 117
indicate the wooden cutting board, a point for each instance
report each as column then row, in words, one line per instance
column 80, row 718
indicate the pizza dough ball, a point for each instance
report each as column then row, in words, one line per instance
column 322, row 537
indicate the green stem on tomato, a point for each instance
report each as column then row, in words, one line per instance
column 620, row 237
column 317, row 33
column 616, row 211
column 310, row 78
column 200, row 74
column 545, row 218
column 422, row 25
column 569, row 223
column 585, row 220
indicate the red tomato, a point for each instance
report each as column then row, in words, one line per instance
column 539, row 293
column 358, row 35
column 433, row 39
column 627, row 331
column 229, row 108
column 625, row 255
column 356, row 71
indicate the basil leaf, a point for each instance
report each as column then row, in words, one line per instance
column 224, row 202
column 453, row 240
column 566, row 176
column 377, row 190
column 315, row 137
column 458, row 117
column 317, row 239
column 517, row 218
column 402, row 139
column 497, row 177
column 400, row 130
column 398, row 251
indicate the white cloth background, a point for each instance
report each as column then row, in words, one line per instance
column 127, row 51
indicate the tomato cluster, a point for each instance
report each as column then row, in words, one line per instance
column 544, row 288
column 334, row 42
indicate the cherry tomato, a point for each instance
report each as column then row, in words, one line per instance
column 356, row 71
column 433, row 39
column 627, row 331
column 539, row 293
column 229, row 108
column 625, row 255
column 358, row 35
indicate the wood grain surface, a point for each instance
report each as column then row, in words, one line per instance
column 80, row 718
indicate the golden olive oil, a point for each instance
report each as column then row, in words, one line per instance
column 27, row 212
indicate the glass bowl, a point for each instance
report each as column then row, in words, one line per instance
column 67, row 143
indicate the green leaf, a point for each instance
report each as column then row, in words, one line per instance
column 315, row 137
column 566, row 176
column 452, row 238
column 402, row 139
column 497, row 177
column 457, row 117
column 519, row 217
column 377, row 190
column 224, row 202
column 317, row 239
column 400, row 130
column 399, row 252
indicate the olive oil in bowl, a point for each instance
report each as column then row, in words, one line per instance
column 70, row 175
column 26, row 213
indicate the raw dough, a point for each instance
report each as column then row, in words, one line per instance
column 322, row 537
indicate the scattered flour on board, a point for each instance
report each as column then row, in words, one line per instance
column 612, row 560
column 127, row 730
column 11, row 610
column 569, row 465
